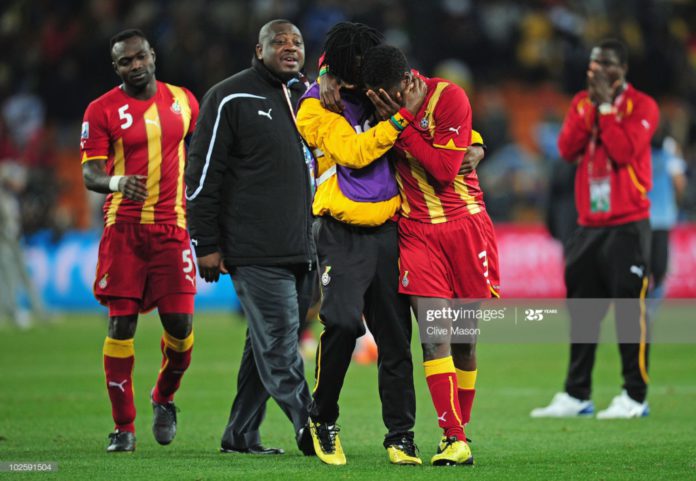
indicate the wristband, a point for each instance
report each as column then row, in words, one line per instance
column 323, row 70
column 404, row 112
column 397, row 123
column 113, row 183
column 400, row 121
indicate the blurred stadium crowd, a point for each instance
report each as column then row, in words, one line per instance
column 520, row 62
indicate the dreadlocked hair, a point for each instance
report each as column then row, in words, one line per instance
column 344, row 47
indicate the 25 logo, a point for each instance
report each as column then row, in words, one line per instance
column 533, row 315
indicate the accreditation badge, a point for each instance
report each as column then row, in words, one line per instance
column 600, row 194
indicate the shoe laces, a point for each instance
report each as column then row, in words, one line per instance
column 169, row 409
column 449, row 442
column 407, row 445
column 327, row 434
column 114, row 435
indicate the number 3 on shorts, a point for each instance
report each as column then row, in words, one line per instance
column 484, row 256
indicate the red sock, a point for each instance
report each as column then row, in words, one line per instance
column 442, row 381
column 176, row 357
column 119, row 357
column 466, row 382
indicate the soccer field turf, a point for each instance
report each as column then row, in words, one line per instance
column 54, row 407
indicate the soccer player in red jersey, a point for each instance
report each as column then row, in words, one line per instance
column 446, row 240
column 133, row 148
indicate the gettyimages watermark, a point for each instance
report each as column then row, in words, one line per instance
column 534, row 321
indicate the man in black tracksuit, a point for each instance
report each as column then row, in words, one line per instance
column 249, row 188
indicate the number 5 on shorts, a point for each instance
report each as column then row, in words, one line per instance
column 188, row 265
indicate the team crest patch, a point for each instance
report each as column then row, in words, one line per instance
column 176, row 108
column 404, row 280
column 84, row 134
column 104, row 281
column 325, row 277
column 424, row 123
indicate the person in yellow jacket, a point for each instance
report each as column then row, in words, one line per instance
column 356, row 202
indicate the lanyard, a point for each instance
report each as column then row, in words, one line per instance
column 286, row 94
column 594, row 140
column 309, row 159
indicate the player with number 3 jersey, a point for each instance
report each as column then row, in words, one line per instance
column 133, row 149
column 447, row 247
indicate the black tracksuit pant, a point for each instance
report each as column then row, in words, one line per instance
column 274, row 299
column 605, row 263
column 359, row 275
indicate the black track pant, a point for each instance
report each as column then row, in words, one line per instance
column 274, row 299
column 608, row 263
column 359, row 275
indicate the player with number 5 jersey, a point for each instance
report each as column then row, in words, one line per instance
column 133, row 146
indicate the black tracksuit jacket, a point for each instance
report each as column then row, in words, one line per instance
column 247, row 180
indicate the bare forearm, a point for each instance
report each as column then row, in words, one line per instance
column 95, row 179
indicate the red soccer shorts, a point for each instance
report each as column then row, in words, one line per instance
column 144, row 262
column 454, row 260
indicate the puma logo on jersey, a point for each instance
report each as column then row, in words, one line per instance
column 190, row 279
column 153, row 122
column 118, row 384
column 442, row 418
column 266, row 114
column 637, row 271
column 452, row 129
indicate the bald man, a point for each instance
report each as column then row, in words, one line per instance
column 249, row 192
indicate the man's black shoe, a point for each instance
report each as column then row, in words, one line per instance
column 304, row 441
column 258, row 449
column 121, row 442
column 163, row 421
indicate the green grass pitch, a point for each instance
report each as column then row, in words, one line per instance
column 54, row 407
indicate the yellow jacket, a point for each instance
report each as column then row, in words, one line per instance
column 334, row 141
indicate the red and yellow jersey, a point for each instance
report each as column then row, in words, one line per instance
column 142, row 137
column 429, row 154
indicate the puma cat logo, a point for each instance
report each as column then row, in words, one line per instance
column 118, row 384
column 266, row 114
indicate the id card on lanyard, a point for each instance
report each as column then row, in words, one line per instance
column 599, row 174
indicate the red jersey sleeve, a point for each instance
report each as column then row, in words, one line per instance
column 442, row 157
column 94, row 136
column 577, row 127
column 193, row 103
column 624, row 139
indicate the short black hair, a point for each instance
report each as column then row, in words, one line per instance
column 345, row 43
column 125, row 35
column 616, row 46
column 265, row 29
column 384, row 66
